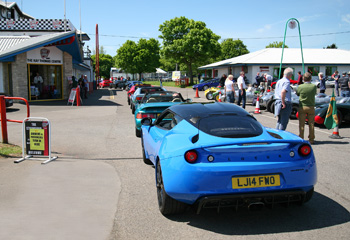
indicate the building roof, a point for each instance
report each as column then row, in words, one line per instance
column 10, row 5
column 291, row 56
column 10, row 41
column 35, row 42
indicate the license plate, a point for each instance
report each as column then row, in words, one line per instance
column 256, row 181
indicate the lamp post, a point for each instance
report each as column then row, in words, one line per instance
column 291, row 23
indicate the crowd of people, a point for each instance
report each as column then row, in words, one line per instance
column 282, row 94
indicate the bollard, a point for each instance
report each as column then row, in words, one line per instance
column 78, row 96
column 3, row 119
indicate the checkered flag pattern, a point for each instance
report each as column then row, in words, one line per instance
column 34, row 24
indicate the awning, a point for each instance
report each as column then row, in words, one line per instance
column 160, row 70
column 40, row 41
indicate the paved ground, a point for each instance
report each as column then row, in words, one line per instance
column 99, row 188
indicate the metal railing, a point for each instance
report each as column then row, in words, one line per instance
column 4, row 119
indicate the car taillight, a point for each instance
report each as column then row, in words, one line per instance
column 138, row 98
column 304, row 150
column 191, row 156
column 145, row 115
column 319, row 120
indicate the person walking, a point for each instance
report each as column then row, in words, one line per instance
column 283, row 96
column 86, row 86
column 300, row 78
column 336, row 77
column 241, row 91
column 222, row 80
column 306, row 93
column 322, row 82
column 344, row 84
column 229, row 89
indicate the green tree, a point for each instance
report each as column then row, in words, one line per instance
column 106, row 62
column 232, row 48
column 333, row 45
column 276, row 45
column 188, row 42
column 138, row 57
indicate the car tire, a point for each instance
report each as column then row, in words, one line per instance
column 205, row 88
column 133, row 109
column 293, row 114
column 128, row 101
column 268, row 105
column 137, row 132
column 271, row 107
column 167, row 205
column 340, row 117
column 209, row 96
column 145, row 160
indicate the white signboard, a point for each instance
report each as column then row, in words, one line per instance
column 176, row 75
column 45, row 55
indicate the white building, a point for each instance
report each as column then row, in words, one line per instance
column 268, row 61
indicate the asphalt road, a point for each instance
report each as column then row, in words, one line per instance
column 99, row 187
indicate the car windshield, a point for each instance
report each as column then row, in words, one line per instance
column 162, row 97
column 148, row 90
column 230, row 126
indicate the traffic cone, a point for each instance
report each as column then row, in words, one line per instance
column 197, row 96
column 220, row 96
column 257, row 107
column 335, row 134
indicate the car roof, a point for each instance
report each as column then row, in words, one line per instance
column 201, row 110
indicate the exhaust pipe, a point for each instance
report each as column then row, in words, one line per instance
column 256, row 206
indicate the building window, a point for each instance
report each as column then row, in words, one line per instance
column 313, row 70
column 330, row 70
column 216, row 73
column 245, row 69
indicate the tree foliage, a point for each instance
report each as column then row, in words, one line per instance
column 138, row 57
column 276, row 45
column 106, row 62
column 188, row 42
column 232, row 48
column 333, row 45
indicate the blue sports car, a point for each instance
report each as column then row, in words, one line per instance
column 207, row 84
column 152, row 104
column 217, row 155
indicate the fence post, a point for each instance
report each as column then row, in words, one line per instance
column 3, row 119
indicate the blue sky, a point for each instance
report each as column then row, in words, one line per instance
column 256, row 23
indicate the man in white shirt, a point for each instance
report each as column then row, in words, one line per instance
column 38, row 81
column 268, row 79
column 241, row 91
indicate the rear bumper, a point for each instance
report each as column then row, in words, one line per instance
column 244, row 200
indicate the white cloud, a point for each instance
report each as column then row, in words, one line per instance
column 346, row 18
column 265, row 28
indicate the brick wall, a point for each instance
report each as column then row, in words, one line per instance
column 20, row 76
column 67, row 72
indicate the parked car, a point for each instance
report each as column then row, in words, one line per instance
column 343, row 111
column 140, row 92
column 218, row 155
column 153, row 104
column 129, row 84
column 207, row 84
column 121, row 84
column 133, row 89
column 104, row 83
column 292, row 82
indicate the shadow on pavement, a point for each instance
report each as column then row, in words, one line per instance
column 96, row 98
column 320, row 212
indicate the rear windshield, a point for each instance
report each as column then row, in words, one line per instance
column 230, row 126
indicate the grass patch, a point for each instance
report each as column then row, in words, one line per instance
column 9, row 150
column 165, row 84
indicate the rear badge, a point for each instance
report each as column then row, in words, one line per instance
column 210, row 158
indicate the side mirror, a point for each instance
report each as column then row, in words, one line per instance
column 146, row 121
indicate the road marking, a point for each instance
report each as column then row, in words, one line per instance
column 111, row 94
